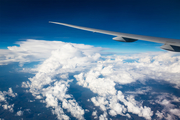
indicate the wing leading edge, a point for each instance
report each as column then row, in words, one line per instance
column 169, row 44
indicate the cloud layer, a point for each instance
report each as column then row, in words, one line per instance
column 65, row 64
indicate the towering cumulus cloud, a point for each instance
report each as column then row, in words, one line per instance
column 64, row 65
column 69, row 58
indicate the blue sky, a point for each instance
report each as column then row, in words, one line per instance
column 28, row 19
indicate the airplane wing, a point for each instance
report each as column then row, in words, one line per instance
column 169, row 44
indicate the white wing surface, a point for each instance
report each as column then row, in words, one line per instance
column 169, row 44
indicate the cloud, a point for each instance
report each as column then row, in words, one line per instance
column 175, row 112
column 8, row 107
column 19, row 113
column 103, row 116
column 3, row 99
column 159, row 115
column 94, row 113
column 10, row 93
column 169, row 110
column 65, row 63
column 7, row 93
column 68, row 58
column 36, row 50
column 142, row 90
column 112, row 103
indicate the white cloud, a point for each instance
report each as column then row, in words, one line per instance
column 103, row 116
column 36, row 50
column 19, row 113
column 73, row 107
column 68, row 58
column 159, row 115
column 3, row 99
column 38, row 97
column 169, row 110
column 25, row 84
column 175, row 112
column 4, row 94
column 98, row 73
column 94, row 113
column 8, row 107
column 100, row 101
column 10, row 93
column 107, row 92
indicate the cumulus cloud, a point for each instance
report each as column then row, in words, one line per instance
column 112, row 103
column 19, row 113
column 8, row 107
column 68, row 58
column 100, row 74
column 103, row 116
column 36, row 50
column 10, row 93
column 7, row 93
column 3, row 99
column 175, row 112
column 169, row 110
column 159, row 115
column 94, row 113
